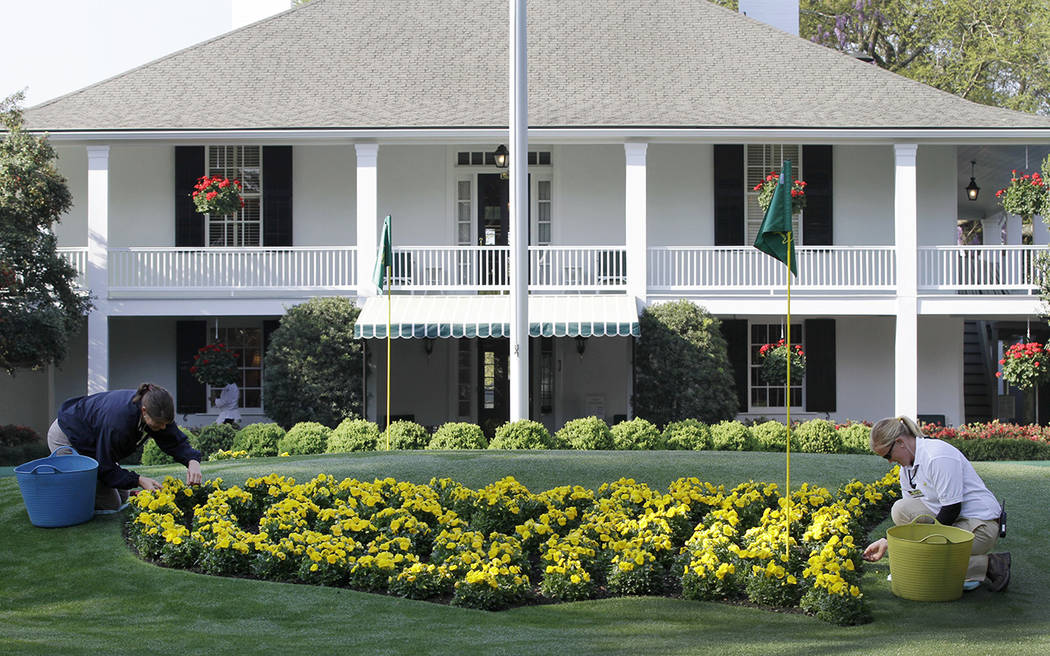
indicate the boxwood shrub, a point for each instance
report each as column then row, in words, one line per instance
column 522, row 434
column 770, row 436
column 1002, row 449
column 404, row 435
column 637, row 434
column 586, row 434
column 856, row 438
column 353, row 435
column 305, row 438
column 214, row 437
column 458, row 435
column 152, row 455
column 817, row 436
column 732, row 436
column 688, row 435
column 259, row 440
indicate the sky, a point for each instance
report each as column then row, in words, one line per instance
column 54, row 47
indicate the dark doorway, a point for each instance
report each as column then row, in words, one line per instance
column 493, row 384
column 493, row 223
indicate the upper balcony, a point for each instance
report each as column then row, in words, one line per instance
column 672, row 270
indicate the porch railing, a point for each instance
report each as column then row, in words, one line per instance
column 740, row 268
column 469, row 268
column 685, row 269
column 979, row 268
column 222, row 269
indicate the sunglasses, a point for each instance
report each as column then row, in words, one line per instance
column 889, row 452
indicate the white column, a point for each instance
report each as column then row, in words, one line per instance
column 635, row 215
column 97, row 268
column 1040, row 231
column 1013, row 229
column 367, row 216
column 905, row 230
column 992, row 230
column 519, row 215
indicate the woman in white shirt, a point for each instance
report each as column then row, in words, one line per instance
column 938, row 481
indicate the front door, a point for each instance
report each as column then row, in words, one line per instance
column 493, row 221
column 493, row 384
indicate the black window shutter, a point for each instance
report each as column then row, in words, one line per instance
column 820, row 365
column 189, row 225
column 277, row 195
column 817, row 217
column 190, row 336
column 735, row 333
column 269, row 325
column 729, row 195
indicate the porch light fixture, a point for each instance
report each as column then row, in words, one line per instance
column 972, row 189
column 502, row 156
column 581, row 345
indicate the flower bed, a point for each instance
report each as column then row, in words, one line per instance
column 503, row 545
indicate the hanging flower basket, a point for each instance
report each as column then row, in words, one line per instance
column 1025, row 364
column 215, row 365
column 774, row 363
column 1024, row 196
column 217, row 195
column 767, row 187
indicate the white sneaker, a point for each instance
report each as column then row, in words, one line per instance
column 970, row 585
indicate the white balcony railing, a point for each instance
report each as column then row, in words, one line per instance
column 470, row 268
column 739, row 268
column 979, row 268
column 232, row 269
column 684, row 269
column 77, row 258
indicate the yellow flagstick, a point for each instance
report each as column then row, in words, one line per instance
column 787, row 508
column 388, row 357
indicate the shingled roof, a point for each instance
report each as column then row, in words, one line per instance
column 379, row 64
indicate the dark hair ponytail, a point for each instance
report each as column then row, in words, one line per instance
column 156, row 401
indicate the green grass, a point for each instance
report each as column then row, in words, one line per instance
column 80, row 590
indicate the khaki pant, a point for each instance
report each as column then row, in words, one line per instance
column 106, row 498
column 985, row 532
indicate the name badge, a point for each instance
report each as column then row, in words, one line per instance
column 915, row 494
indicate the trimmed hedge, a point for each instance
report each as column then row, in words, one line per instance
column 1002, row 449
column 353, row 435
column 638, row 435
column 404, row 435
column 458, row 435
column 305, row 438
column 586, row 434
column 522, row 434
column 259, row 440
column 214, row 437
column 688, row 435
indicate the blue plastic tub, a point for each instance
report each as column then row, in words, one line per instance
column 59, row 490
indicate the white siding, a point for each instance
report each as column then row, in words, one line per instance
column 604, row 370
column 680, row 195
column 941, row 368
column 324, row 182
column 589, row 197
column 862, row 195
column 864, row 368
column 938, row 195
column 72, row 163
column 413, row 189
column 142, row 195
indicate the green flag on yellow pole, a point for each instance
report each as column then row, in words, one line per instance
column 385, row 255
column 775, row 237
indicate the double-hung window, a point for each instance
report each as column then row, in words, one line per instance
column 244, row 227
column 760, row 160
column 764, row 395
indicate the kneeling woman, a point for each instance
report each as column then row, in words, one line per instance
column 938, row 481
column 110, row 426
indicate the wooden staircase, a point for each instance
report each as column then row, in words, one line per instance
column 979, row 367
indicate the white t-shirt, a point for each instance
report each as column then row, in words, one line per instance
column 941, row 476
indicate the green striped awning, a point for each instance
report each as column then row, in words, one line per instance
column 597, row 315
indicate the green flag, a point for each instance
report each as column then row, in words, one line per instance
column 775, row 237
column 385, row 255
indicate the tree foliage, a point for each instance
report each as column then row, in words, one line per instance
column 682, row 370
column 988, row 52
column 312, row 368
column 40, row 306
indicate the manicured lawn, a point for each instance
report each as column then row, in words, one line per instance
column 80, row 590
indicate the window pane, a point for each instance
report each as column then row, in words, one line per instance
column 464, row 190
column 543, row 190
column 544, row 230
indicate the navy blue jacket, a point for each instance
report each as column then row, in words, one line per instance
column 108, row 426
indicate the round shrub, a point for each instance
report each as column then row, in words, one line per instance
column 152, row 455
column 522, row 434
column 855, row 438
column 458, row 435
column 305, row 438
column 770, row 435
column 214, row 437
column 688, row 435
column 353, row 435
column 682, row 366
column 404, row 435
column 586, row 434
column 312, row 367
column 637, row 434
column 817, row 436
column 259, row 440
column 732, row 436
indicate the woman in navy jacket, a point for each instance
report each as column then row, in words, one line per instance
column 110, row 426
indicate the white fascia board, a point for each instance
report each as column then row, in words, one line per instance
column 999, row 306
column 571, row 135
column 777, row 305
column 203, row 307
